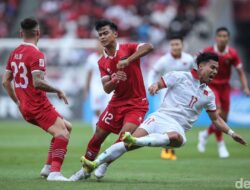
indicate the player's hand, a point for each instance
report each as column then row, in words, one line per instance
column 122, row 64
column 153, row 89
column 246, row 91
column 62, row 96
column 239, row 139
column 121, row 75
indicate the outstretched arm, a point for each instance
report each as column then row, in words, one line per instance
column 7, row 78
column 41, row 84
column 142, row 51
column 154, row 88
column 221, row 125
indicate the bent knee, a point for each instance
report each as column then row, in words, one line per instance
column 176, row 140
column 68, row 125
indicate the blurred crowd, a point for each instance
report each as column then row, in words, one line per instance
column 142, row 20
column 8, row 11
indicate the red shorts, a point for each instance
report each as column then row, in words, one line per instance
column 44, row 118
column 113, row 118
column 222, row 95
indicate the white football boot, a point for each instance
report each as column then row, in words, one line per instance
column 45, row 170
column 222, row 150
column 100, row 171
column 56, row 176
column 81, row 174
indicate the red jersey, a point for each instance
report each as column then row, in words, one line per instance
column 24, row 60
column 129, row 92
column 227, row 59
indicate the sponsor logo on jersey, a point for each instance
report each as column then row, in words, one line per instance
column 41, row 62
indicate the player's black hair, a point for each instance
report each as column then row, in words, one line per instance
column 175, row 37
column 205, row 57
column 224, row 29
column 29, row 24
column 101, row 23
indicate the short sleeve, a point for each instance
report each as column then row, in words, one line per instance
column 102, row 70
column 38, row 62
column 171, row 79
column 211, row 105
column 133, row 47
column 236, row 59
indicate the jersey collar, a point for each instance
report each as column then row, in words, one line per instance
column 116, row 49
column 29, row 44
column 221, row 53
column 196, row 77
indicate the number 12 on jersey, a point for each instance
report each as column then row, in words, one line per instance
column 107, row 117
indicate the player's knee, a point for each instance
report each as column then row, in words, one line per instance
column 62, row 131
column 68, row 126
column 176, row 140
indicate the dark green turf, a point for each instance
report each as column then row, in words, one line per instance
column 23, row 150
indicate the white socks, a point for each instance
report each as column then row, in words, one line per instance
column 112, row 153
column 153, row 140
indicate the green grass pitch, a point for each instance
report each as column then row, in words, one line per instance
column 23, row 149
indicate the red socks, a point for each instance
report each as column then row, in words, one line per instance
column 49, row 159
column 218, row 133
column 59, row 150
column 93, row 148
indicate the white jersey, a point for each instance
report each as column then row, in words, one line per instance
column 185, row 98
column 168, row 63
column 99, row 99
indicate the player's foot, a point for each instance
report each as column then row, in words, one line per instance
column 100, row 171
column 128, row 138
column 56, row 176
column 222, row 150
column 81, row 174
column 89, row 165
column 45, row 170
column 202, row 140
column 165, row 154
column 173, row 157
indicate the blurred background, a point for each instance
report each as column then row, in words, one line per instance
column 68, row 37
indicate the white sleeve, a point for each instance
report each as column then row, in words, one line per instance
column 211, row 105
column 171, row 79
column 156, row 70
column 192, row 63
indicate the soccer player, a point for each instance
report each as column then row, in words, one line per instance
column 121, row 73
column 26, row 67
column 175, row 60
column 228, row 57
column 98, row 98
column 187, row 94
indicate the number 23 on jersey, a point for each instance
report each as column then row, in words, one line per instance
column 20, row 70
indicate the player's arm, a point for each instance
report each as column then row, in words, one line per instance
column 6, row 82
column 154, row 88
column 221, row 125
column 243, row 80
column 110, row 82
column 142, row 50
column 41, row 84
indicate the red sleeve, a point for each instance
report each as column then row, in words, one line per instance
column 38, row 62
column 236, row 59
column 8, row 65
column 102, row 69
column 132, row 47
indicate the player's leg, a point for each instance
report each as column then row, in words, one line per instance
column 132, row 119
column 225, row 104
column 114, row 151
column 61, row 135
column 46, row 168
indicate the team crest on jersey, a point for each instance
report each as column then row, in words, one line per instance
column 41, row 62
column 206, row 92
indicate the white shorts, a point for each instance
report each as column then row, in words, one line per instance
column 161, row 123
